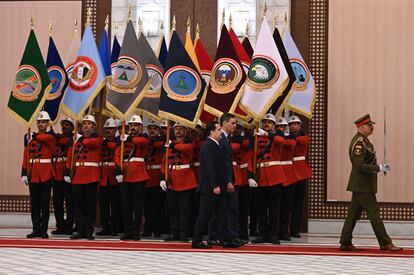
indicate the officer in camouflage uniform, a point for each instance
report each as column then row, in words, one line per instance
column 363, row 185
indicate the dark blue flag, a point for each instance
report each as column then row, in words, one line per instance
column 183, row 88
column 104, row 53
column 116, row 49
column 163, row 52
column 58, row 79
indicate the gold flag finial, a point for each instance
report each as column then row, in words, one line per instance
column 173, row 23
column 162, row 26
column 230, row 21
column 116, row 27
column 223, row 17
column 75, row 26
column 286, row 18
column 197, row 32
column 247, row 30
column 189, row 24
column 129, row 13
column 88, row 16
column 32, row 21
column 50, row 27
column 107, row 21
column 140, row 28
column 265, row 9
column 276, row 19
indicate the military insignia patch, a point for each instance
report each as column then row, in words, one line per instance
column 126, row 75
column 69, row 70
column 83, row 75
column 226, row 75
column 263, row 73
column 27, row 83
column 302, row 74
column 57, row 78
column 155, row 75
column 182, row 83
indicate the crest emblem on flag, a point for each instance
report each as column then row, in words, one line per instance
column 83, row 76
column 27, row 84
column 226, row 75
column 302, row 74
column 127, row 74
column 182, row 83
column 263, row 73
column 57, row 79
column 155, row 75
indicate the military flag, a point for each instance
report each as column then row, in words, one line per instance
column 267, row 77
column 189, row 46
column 151, row 102
column 303, row 97
column 183, row 87
column 87, row 78
column 31, row 84
column 227, row 78
column 162, row 51
column 247, row 46
column 116, row 48
column 72, row 54
column 282, row 100
column 59, row 80
column 130, row 79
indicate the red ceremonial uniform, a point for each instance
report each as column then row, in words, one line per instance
column 135, row 151
column 154, row 162
column 288, row 151
column 245, row 160
column 60, row 156
column 86, row 160
column 180, row 172
column 268, row 162
column 236, row 145
column 302, row 168
column 107, row 163
column 41, row 149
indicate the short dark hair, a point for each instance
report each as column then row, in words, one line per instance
column 225, row 118
column 211, row 126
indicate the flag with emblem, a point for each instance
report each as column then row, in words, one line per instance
column 247, row 46
column 31, row 84
column 72, row 53
column 116, row 48
column 206, row 65
column 130, row 79
column 151, row 102
column 282, row 100
column 303, row 96
column 162, row 51
column 267, row 77
column 183, row 88
column 87, row 78
column 58, row 79
column 189, row 46
column 227, row 77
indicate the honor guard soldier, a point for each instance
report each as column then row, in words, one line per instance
column 85, row 177
column 286, row 203
column 132, row 177
column 268, row 188
column 37, row 172
column 303, row 172
column 62, row 191
column 181, row 183
column 363, row 185
column 109, row 193
column 154, row 201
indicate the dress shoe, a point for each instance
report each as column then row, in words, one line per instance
column 349, row 247
column 34, row 234
column 259, row 240
column 146, row 234
column 58, row 231
column 171, row 238
column 90, row 237
column 201, row 245
column 230, row 245
column 295, row 235
column 215, row 243
column 157, row 235
column 273, row 240
column 67, row 232
column 183, row 238
column 239, row 241
column 136, row 237
column 285, row 238
column 390, row 247
column 126, row 237
column 104, row 232
column 45, row 235
column 77, row 236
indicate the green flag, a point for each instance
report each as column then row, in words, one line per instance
column 31, row 84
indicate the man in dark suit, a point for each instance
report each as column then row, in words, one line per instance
column 228, row 124
column 212, row 183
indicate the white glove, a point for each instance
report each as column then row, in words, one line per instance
column 167, row 144
column 260, row 133
column 25, row 180
column 163, row 185
column 78, row 136
column 384, row 168
column 119, row 178
column 252, row 183
column 242, row 133
column 67, row 179
column 125, row 137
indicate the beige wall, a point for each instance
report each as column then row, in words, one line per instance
column 15, row 26
column 370, row 65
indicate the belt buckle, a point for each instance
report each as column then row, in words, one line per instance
column 81, row 163
column 37, row 161
column 266, row 164
column 177, row 167
column 106, row 164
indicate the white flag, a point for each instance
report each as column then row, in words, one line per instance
column 72, row 54
column 267, row 77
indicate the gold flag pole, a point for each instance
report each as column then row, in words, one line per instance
column 140, row 27
column 167, row 139
column 197, row 36
column 223, row 17
column 29, row 136
column 75, row 135
column 284, row 25
column 246, row 34
column 189, row 24
column 275, row 20
column 256, row 142
column 121, row 161
column 102, row 94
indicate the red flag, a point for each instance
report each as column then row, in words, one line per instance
column 227, row 78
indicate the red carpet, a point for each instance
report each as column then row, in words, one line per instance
column 186, row 247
